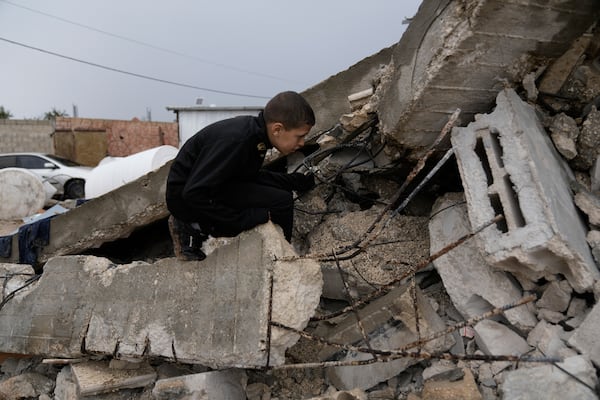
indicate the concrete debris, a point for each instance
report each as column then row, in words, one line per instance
column 99, row 301
column 564, row 134
column 548, row 382
column 354, row 394
column 214, row 385
column 508, row 166
column 588, row 141
column 105, row 311
column 389, row 336
column 494, row 338
column 25, row 386
column 96, row 377
column 473, row 285
column 585, row 338
column 464, row 389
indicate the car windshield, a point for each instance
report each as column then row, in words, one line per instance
column 63, row 160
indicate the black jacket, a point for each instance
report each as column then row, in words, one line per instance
column 226, row 151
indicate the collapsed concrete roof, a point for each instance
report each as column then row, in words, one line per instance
column 453, row 55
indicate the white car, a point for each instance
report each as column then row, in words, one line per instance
column 66, row 176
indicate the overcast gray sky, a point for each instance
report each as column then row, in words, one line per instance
column 256, row 48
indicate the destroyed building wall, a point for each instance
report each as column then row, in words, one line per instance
column 88, row 140
column 460, row 54
column 24, row 135
column 329, row 98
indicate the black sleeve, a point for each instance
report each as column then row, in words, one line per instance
column 215, row 164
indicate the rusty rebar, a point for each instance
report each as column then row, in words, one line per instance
column 471, row 321
column 351, row 301
column 270, row 312
column 435, row 335
column 411, row 176
column 383, row 289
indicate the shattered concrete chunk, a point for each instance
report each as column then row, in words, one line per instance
column 494, row 338
column 586, row 338
column 546, row 382
column 464, row 389
column 215, row 385
column 556, row 297
column 214, row 312
column 95, row 377
column 588, row 143
column 392, row 337
column 26, row 386
column 508, row 166
column 547, row 338
column 564, row 133
column 472, row 284
column 590, row 205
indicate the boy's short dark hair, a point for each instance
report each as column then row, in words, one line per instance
column 290, row 109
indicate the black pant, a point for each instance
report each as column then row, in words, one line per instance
column 239, row 206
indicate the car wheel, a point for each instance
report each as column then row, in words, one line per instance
column 75, row 189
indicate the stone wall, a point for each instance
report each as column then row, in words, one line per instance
column 18, row 135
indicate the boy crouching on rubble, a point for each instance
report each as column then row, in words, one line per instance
column 216, row 185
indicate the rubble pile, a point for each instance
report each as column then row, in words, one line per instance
column 377, row 297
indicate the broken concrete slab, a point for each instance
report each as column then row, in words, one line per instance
column 586, row 338
column 472, row 284
column 214, row 312
column 214, row 385
column 26, row 386
column 508, row 166
column 388, row 337
column 546, row 382
column 96, row 377
column 475, row 50
column 109, row 217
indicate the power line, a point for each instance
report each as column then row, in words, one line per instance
column 133, row 73
column 139, row 42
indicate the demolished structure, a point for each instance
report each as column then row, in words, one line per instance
column 473, row 279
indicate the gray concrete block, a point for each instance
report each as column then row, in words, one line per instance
column 508, row 166
column 586, row 338
column 546, row 382
column 494, row 338
column 472, row 284
column 214, row 385
column 213, row 312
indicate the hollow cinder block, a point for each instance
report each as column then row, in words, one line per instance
column 509, row 166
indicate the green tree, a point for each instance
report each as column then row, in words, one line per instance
column 4, row 113
column 52, row 114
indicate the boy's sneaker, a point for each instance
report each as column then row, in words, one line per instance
column 187, row 241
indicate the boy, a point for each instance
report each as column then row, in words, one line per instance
column 216, row 185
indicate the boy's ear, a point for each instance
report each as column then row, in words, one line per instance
column 277, row 128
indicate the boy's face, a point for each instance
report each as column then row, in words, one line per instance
column 288, row 141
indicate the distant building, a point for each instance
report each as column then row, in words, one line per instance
column 193, row 118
